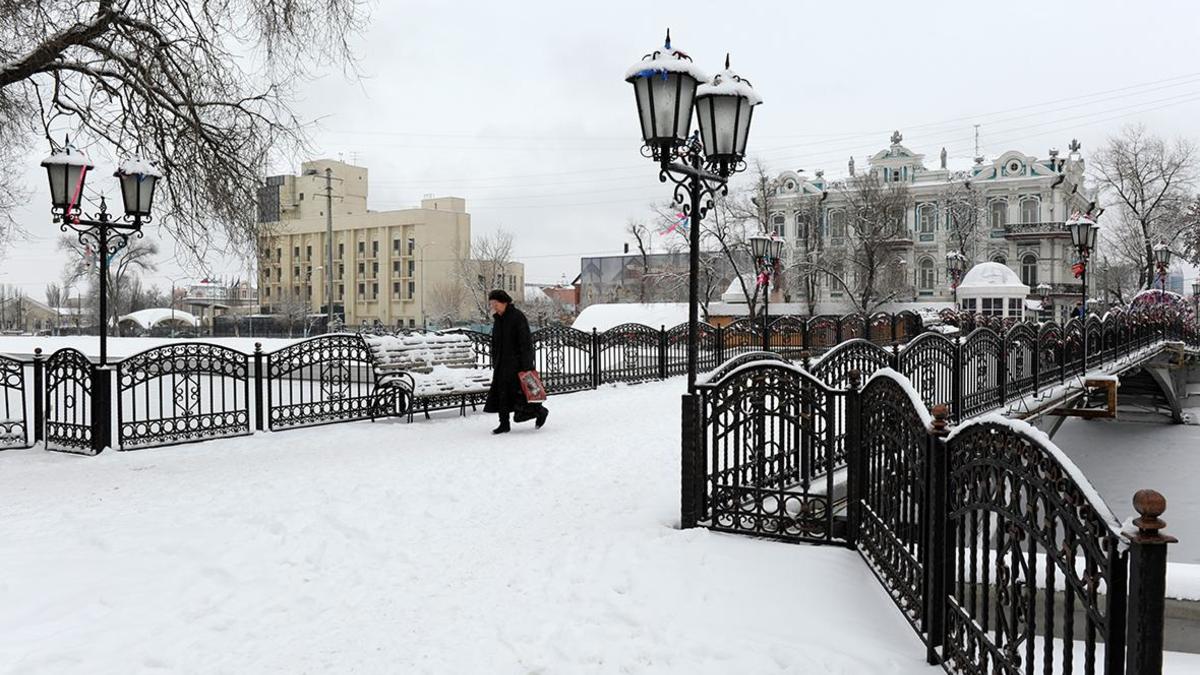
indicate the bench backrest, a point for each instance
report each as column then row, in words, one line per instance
column 419, row 353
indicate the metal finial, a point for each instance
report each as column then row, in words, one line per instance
column 726, row 60
column 667, row 44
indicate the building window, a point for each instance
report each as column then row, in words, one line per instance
column 295, row 291
column 928, row 275
column 341, row 270
column 396, row 289
column 267, row 292
column 375, row 249
column 295, row 252
column 412, row 245
column 278, row 274
column 296, row 271
column 968, row 305
column 396, row 246
column 341, row 291
column 308, row 252
column 1014, row 306
column 992, row 307
column 278, row 255
column 396, row 267
column 362, row 268
column 374, row 291
column 341, row 250
column 1030, row 210
column 801, row 226
column 412, row 289
column 837, row 224
column 998, row 214
column 999, row 258
column 374, row 269
column 301, row 196
column 927, row 217
column 779, row 225
column 1029, row 270
column 412, row 267
column 362, row 247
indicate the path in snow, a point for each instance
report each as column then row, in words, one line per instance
column 432, row 547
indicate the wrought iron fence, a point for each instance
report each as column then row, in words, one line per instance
column 14, row 426
column 71, row 422
column 326, row 379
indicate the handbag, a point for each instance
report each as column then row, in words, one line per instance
column 531, row 386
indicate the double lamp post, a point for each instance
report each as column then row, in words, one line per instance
column 68, row 171
column 767, row 252
column 668, row 87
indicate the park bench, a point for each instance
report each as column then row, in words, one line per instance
column 426, row 371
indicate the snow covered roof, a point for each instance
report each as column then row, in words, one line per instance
column 149, row 318
column 992, row 278
column 734, row 294
column 609, row 315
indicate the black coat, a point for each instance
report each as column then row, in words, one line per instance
column 512, row 352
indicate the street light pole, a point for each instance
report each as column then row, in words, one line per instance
column 328, row 249
column 424, row 320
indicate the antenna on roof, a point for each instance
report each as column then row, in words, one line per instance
column 976, row 140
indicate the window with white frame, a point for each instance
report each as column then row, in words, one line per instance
column 927, row 218
column 928, row 275
column 779, row 225
column 992, row 306
column 837, row 224
column 998, row 214
column 1029, row 275
column 1030, row 210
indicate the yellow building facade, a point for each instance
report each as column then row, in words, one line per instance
column 398, row 268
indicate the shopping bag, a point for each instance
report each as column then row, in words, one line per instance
column 531, row 385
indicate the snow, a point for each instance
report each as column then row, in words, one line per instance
column 1074, row 472
column 603, row 316
column 135, row 166
column 423, row 548
column 75, row 158
column 994, row 278
column 727, row 83
column 665, row 60
column 148, row 318
column 908, row 388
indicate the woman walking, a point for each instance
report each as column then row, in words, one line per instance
column 512, row 353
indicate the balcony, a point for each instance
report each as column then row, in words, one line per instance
column 1056, row 228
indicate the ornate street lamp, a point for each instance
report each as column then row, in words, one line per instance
column 1083, row 231
column 1162, row 261
column 1043, row 291
column 956, row 265
column 1196, row 300
column 667, row 85
column 767, row 252
column 67, row 171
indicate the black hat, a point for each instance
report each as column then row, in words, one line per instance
column 500, row 296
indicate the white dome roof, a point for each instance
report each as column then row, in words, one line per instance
column 993, row 278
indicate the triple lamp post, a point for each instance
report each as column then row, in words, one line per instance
column 956, row 266
column 67, row 171
column 1162, row 263
column 767, row 252
column 667, row 87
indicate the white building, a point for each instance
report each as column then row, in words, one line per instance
column 1016, row 203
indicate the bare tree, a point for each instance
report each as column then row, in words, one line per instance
column 124, row 268
column 204, row 88
column 1191, row 232
column 1116, row 278
column 446, row 302
column 54, row 294
column 870, row 272
column 1147, row 181
column 965, row 212
column 485, row 269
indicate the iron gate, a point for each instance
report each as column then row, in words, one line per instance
column 68, row 402
column 766, row 432
column 14, row 430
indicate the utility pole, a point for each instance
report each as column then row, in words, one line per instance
column 328, row 249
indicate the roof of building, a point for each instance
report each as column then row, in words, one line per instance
column 603, row 316
column 149, row 318
column 993, row 277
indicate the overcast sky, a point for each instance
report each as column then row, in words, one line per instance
column 521, row 107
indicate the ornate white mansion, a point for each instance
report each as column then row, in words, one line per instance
column 1017, row 207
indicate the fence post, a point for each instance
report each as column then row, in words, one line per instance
column 101, row 408
column 1037, row 362
column 595, row 359
column 662, row 353
column 856, row 458
column 1062, row 355
column 691, row 483
column 720, row 345
column 258, row 386
column 895, row 357
column 1147, row 585
column 39, row 396
column 958, row 367
column 1003, row 367
column 937, row 563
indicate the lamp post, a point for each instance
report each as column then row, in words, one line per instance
column 1196, row 300
column 1043, row 291
column 1083, row 236
column 956, row 264
column 67, row 172
column 767, row 252
column 424, row 320
column 667, row 86
column 1162, row 261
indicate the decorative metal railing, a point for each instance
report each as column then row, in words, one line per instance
column 14, row 425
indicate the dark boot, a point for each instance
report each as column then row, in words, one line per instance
column 541, row 417
column 504, row 428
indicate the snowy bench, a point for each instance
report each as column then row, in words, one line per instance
column 428, row 371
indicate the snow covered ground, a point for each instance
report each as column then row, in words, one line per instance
column 432, row 547
column 22, row 346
